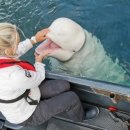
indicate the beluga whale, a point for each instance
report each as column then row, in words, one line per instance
column 77, row 52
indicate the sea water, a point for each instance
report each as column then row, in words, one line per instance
column 108, row 20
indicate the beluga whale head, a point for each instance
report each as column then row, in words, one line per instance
column 65, row 38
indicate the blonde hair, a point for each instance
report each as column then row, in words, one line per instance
column 7, row 37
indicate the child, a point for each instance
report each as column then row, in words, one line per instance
column 22, row 85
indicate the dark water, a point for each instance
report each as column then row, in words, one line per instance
column 109, row 20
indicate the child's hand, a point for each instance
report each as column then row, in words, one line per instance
column 41, row 35
column 39, row 58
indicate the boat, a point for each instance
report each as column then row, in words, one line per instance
column 113, row 101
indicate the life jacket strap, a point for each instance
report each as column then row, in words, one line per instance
column 24, row 95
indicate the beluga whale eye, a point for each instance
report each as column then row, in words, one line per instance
column 74, row 50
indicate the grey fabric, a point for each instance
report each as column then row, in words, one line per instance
column 50, row 88
column 56, row 100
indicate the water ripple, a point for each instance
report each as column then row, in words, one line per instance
column 107, row 19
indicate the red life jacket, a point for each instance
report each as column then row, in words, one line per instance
column 25, row 65
column 10, row 62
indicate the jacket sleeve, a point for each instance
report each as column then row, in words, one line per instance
column 25, row 79
column 23, row 47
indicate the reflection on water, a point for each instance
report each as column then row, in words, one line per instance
column 108, row 20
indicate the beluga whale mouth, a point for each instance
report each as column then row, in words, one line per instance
column 47, row 44
column 65, row 38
